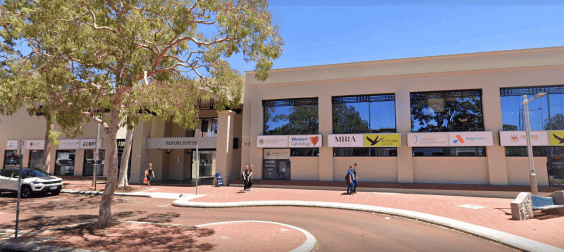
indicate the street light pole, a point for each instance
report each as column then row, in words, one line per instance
column 533, row 176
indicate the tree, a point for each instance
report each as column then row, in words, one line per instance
column 450, row 112
column 301, row 119
column 510, row 127
column 118, row 44
column 555, row 123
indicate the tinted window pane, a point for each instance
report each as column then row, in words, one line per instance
column 449, row 152
column 291, row 117
column 36, row 174
column 35, row 157
column 10, row 159
column 365, row 152
column 364, row 114
column 545, row 113
column 447, row 111
column 304, row 152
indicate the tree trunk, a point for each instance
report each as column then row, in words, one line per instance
column 105, row 212
column 46, row 159
column 125, row 158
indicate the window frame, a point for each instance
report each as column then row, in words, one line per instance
column 287, row 103
column 365, row 98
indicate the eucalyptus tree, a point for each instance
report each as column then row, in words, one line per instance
column 179, row 47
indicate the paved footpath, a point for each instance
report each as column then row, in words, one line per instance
column 490, row 213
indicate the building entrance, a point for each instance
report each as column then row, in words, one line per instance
column 207, row 163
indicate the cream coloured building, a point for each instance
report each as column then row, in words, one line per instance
column 452, row 119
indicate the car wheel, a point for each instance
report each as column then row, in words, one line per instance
column 56, row 192
column 26, row 192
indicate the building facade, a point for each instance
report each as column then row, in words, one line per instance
column 443, row 119
column 453, row 119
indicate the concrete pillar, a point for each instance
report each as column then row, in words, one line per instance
column 224, row 147
column 491, row 107
column 403, row 121
column 157, row 156
column 325, row 112
column 256, row 129
column 79, row 163
column 246, row 138
column 139, row 153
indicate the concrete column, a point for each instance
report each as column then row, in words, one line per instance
column 224, row 148
column 79, row 163
column 325, row 112
column 491, row 107
column 403, row 121
column 157, row 156
column 256, row 129
column 139, row 153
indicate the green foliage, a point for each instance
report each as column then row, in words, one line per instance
column 347, row 120
column 447, row 114
column 555, row 123
column 299, row 120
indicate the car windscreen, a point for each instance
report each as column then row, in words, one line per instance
column 35, row 173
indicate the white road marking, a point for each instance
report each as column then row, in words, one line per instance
column 387, row 218
column 1, row 213
column 224, row 237
column 283, row 229
column 142, row 201
column 471, row 206
column 164, row 205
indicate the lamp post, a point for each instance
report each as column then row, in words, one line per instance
column 534, row 187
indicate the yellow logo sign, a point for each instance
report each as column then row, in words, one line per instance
column 556, row 137
column 379, row 140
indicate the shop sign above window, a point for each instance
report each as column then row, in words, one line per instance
column 345, row 140
column 305, row 141
column 174, row 143
column 455, row 139
column 74, row 144
column 34, row 144
column 519, row 138
column 277, row 154
column 12, row 145
column 556, row 137
column 272, row 141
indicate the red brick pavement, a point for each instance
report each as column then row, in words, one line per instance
column 496, row 214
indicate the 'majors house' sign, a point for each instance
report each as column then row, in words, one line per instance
column 171, row 143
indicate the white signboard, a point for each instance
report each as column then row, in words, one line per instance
column 69, row 144
column 276, row 153
column 305, row 141
column 12, row 145
column 173, row 143
column 21, row 146
column 345, row 140
column 90, row 144
column 475, row 138
column 34, row 144
column 519, row 138
column 427, row 139
column 272, row 141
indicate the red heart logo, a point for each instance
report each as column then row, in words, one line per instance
column 314, row 140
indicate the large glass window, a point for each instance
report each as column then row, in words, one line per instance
column 545, row 113
column 449, row 152
column 10, row 159
column 64, row 164
column 365, row 152
column 206, row 128
column 35, row 157
column 364, row 114
column 89, row 163
column 291, row 117
column 447, row 111
column 555, row 164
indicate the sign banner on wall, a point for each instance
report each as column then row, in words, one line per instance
column 173, row 143
column 475, row 138
column 379, row 140
column 519, row 138
column 12, row 145
column 34, row 144
column 556, row 137
column 305, row 141
column 90, row 144
column 69, row 144
column 272, row 141
column 276, row 153
column 427, row 139
column 345, row 140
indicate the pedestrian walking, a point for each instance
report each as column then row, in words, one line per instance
column 355, row 180
column 244, row 175
column 149, row 174
column 350, row 182
column 250, row 178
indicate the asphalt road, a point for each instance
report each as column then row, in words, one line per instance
column 334, row 229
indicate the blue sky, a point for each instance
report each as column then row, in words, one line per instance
column 327, row 32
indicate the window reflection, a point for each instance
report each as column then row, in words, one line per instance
column 545, row 113
column 364, row 114
column 449, row 152
column 291, row 117
column 206, row 128
column 365, row 152
column 447, row 111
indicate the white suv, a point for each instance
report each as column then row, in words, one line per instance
column 33, row 181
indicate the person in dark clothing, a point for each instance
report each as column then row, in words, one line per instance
column 245, row 175
column 250, row 178
column 149, row 174
column 350, row 182
column 355, row 180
